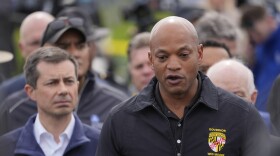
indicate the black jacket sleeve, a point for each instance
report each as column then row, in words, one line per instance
column 108, row 145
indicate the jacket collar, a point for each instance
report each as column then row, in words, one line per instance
column 89, row 81
column 28, row 145
column 208, row 96
column 209, row 93
column 78, row 136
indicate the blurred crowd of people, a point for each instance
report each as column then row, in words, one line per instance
column 227, row 50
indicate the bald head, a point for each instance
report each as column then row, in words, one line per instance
column 170, row 23
column 233, row 76
column 175, row 52
column 31, row 31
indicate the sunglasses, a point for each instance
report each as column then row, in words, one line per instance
column 60, row 24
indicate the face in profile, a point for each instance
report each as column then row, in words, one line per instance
column 175, row 58
column 71, row 41
column 56, row 93
column 140, row 68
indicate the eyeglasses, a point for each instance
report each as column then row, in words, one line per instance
column 60, row 24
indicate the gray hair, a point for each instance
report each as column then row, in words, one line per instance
column 213, row 25
column 139, row 41
column 234, row 65
column 46, row 54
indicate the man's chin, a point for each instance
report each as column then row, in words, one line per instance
column 176, row 91
column 62, row 113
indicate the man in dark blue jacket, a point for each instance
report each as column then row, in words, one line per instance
column 181, row 112
column 96, row 98
column 52, row 82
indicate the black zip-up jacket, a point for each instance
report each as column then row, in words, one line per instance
column 219, row 124
column 95, row 100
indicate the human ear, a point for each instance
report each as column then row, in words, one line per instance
column 30, row 91
column 200, row 52
column 151, row 60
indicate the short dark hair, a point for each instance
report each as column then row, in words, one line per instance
column 138, row 41
column 251, row 14
column 46, row 54
column 211, row 43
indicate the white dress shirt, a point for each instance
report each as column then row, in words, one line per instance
column 46, row 140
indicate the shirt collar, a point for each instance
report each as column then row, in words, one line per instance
column 39, row 129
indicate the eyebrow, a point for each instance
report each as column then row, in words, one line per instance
column 186, row 47
column 67, row 77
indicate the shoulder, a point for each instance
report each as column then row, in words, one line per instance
column 102, row 92
column 19, row 79
column 8, row 141
column 15, row 100
column 144, row 99
column 91, row 132
column 11, row 136
column 229, row 100
column 221, row 99
column 82, row 129
column 126, row 106
column 16, row 97
column 13, row 84
column 15, row 111
column 113, row 92
column 238, row 109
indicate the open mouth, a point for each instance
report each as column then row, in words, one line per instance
column 174, row 79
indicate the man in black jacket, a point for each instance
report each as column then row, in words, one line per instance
column 181, row 112
column 96, row 98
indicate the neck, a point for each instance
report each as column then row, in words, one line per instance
column 55, row 125
column 178, row 102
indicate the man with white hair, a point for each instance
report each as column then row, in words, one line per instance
column 226, row 73
column 233, row 76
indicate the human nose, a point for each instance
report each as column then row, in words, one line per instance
column 147, row 70
column 73, row 50
column 62, row 89
column 173, row 64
